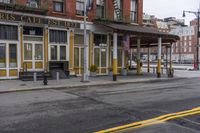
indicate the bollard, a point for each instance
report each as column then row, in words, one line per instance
column 45, row 78
column 57, row 76
column 34, row 76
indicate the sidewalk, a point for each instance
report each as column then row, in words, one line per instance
column 73, row 82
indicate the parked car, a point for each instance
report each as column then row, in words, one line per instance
column 132, row 65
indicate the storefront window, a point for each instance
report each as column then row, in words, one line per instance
column 2, row 56
column 58, row 36
column 103, row 57
column 27, row 51
column 76, row 57
column 78, row 39
column 8, row 32
column 96, row 56
column 38, row 52
column 12, row 55
column 62, row 52
column 53, row 52
column 100, row 39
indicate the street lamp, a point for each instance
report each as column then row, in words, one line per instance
column 197, row 14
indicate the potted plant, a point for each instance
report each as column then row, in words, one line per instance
column 93, row 70
column 124, row 72
column 110, row 71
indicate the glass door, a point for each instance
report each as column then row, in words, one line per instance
column 33, row 56
column 78, row 60
column 100, row 59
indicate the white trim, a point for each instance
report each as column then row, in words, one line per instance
column 9, row 23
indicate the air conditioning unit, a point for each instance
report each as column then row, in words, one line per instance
column 32, row 4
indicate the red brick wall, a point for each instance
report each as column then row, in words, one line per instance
column 126, row 10
column 70, row 10
column 139, row 11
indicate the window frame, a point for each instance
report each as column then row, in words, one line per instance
column 61, row 3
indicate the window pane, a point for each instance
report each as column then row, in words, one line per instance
column 103, row 57
column 13, row 55
column 58, row 6
column 56, row 36
column 76, row 57
column 96, row 56
column 27, row 51
column 82, row 57
column 62, row 52
column 8, row 32
column 78, row 39
column 2, row 56
column 53, row 52
column 38, row 52
column 80, row 7
column 119, row 57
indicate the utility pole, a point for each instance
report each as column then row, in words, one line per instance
column 197, row 14
column 85, row 71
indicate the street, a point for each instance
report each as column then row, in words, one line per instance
column 92, row 109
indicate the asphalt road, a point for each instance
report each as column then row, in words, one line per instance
column 84, row 110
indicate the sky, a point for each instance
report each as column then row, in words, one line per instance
column 171, row 8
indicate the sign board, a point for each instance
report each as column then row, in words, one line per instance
column 37, row 20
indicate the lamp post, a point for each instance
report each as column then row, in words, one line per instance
column 197, row 14
column 85, row 71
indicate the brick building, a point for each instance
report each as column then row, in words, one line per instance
column 47, row 35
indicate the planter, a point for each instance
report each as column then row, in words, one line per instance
column 124, row 72
column 93, row 74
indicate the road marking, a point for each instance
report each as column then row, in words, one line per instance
column 152, row 121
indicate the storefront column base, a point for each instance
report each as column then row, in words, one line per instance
column 114, row 77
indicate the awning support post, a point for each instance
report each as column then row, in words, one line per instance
column 148, row 67
column 171, row 73
column 159, row 57
column 138, row 56
column 167, row 52
column 115, row 57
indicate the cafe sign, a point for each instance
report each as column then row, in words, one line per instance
column 37, row 20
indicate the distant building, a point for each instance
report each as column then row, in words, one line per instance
column 184, row 50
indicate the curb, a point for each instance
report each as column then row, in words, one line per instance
column 57, row 87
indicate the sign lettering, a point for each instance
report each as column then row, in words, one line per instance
column 38, row 20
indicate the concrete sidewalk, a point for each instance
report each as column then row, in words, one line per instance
column 74, row 82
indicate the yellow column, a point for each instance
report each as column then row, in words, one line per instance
column 91, row 36
column 115, row 57
column 46, row 48
column 138, row 57
column 71, row 52
column 21, row 46
column 159, row 57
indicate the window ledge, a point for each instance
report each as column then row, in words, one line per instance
column 59, row 13
column 79, row 16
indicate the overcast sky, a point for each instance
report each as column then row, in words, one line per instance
column 171, row 8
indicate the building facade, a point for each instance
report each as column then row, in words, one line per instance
column 184, row 50
column 43, row 35
column 47, row 36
